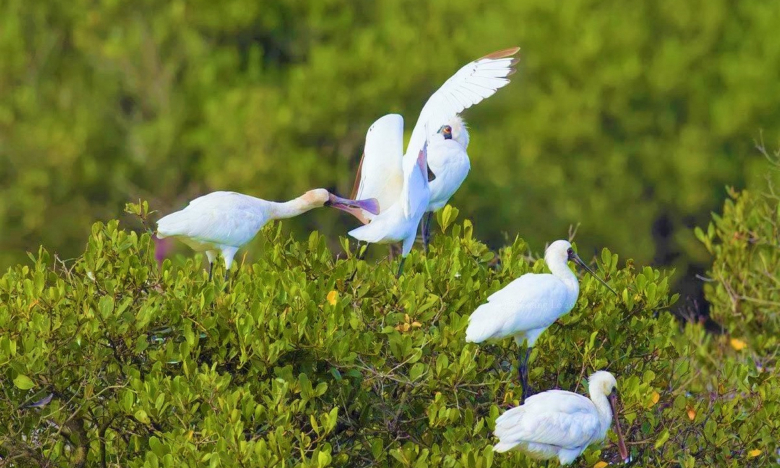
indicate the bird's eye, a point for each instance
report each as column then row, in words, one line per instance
column 570, row 251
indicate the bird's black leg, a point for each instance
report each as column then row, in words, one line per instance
column 528, row 389
column 524, row 375
column 400, row 267
column 521, row 374
column 426, row 230
column 211, row 270
column 227, row 280
column 520, row 369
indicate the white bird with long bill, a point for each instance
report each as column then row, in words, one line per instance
column 562, row 424
column 222, row 222
column 381, row 171
column 524, row 308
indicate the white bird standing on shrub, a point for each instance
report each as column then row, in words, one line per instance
column 222, row 222
column 557, row 423
column 399, row 222
column 524, row 308
column 380, row 174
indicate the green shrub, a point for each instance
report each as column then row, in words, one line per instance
column 744, row 281
column 294, row 364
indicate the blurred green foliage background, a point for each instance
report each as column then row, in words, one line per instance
column 626, row 117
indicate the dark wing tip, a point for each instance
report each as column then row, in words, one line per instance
column 499, row 54
column 356, row 185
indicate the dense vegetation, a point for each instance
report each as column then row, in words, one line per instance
column 626, row 117
column 295, row 363
column 743, row 285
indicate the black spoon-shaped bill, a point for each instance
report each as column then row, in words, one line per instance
column 576, row 258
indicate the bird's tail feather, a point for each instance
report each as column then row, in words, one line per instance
column 508, row 429
column 366, row 233
column 504, row 446
column 507, row 423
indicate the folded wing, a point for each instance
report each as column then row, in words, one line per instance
column 220, row 218
column 555, row 417
column 522, row 305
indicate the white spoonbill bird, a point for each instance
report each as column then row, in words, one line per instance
column 557, row 423
column 225, row 221
column 524, row 308
column 399, row 222
column 448, row 166
column 380, row 174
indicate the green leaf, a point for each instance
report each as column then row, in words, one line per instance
column 662, row 439
column 106, row 306
column 141, row 416
column 23, row 382
column 446, row 216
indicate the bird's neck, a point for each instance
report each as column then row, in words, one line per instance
column 604, row 409
column 289, row 209
column 562, row 272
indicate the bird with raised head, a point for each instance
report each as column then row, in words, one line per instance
column 448, row 166
column 524, row 308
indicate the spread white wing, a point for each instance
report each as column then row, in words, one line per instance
column 380, row 174
column 474, row 82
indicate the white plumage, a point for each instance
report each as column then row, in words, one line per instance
column 471, row 84
column 399, row 222
column 524, row 308
column 450, row 165
column 380, row 174
column 561, row 424
column 222, row 222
